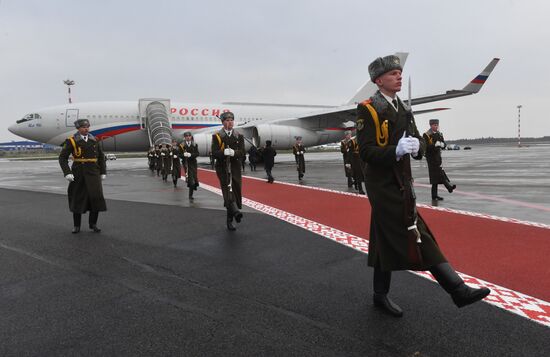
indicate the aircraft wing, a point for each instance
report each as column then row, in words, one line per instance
column 339, row 117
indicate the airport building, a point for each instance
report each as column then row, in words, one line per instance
column 25, row 146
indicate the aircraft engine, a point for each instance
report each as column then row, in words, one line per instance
column 282, row 136
column 204, row 142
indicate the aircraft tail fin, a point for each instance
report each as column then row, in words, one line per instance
column 475, row 85
column 369, row 88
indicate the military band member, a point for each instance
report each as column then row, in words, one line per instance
column 299, row 150
column 434, row 144
column 190, row 154
column 228, row 149
column 175, row 155
column 166, row 162
column 85, row 175
column 357, row 165
column 399, row 237
column 344, row 149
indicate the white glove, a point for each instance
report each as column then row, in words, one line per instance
column 227, row 152
column 438, row 144
column 188, row 154
column 175, row 156
column 163, row 154
column 415, row 145
column 404, row 146
column 348, row 166
column 69, row 177
column 231, row 152
column 301, row 152
column 103, row 177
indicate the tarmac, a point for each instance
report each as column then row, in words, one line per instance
column 165, row 277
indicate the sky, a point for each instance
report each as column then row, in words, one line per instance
column 299, row 51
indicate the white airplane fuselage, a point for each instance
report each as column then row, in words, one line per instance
column 120, row 127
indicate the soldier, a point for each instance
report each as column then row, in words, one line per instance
column 151, row 159
column 298, row 150
column 190, row 153
column 399, row 237
column 85, row 175
column 228, row 149
column 252, row 157
column 344, row 149
column 166, row 162
column 357, row 165
column 158, row 159
column 269, row 160
column 434, row 143
column 175, row 155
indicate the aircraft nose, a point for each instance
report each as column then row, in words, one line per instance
column 13, row 129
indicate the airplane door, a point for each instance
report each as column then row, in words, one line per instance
column 71, row 116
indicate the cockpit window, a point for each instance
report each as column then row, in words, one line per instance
column 29, row 117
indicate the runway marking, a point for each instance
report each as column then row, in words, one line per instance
column 493, row 198
column 526, row 306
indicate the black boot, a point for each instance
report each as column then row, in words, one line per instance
column 230, row 225
column 381, row 283
column 350, row 182
column 461, row 293
column 190, row 193
column 435, row 197
column 77, row 217
column 449, row 186
column 175, row 182
column 93, row 221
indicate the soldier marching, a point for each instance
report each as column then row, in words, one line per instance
column 434, row 144
column 399, row 237
column 299, row 150
column 228, row 150
column 85, row 189
column 190, row 152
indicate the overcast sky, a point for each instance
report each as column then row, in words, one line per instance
column 308, row 52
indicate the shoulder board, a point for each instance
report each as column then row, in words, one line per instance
column 365, row 102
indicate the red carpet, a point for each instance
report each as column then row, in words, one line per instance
column 504, row 253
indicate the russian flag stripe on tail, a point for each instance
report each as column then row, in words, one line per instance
column 475, row 85
column 480, row 79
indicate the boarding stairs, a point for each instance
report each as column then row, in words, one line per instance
column 155, row 118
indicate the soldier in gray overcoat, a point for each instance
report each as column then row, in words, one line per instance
column 85, row 190
column 399, row 237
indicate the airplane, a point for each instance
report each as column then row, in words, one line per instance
column 125, row 126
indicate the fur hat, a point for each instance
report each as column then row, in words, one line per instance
column 434, row 121
column 81, row 122
column 383, row 65
column 226, row 115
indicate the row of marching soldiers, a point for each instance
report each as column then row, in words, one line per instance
column 169, row 159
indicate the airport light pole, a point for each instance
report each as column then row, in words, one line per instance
column 69, row 83
column 519, row 131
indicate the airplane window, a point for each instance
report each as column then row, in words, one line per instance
column 25, row 118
